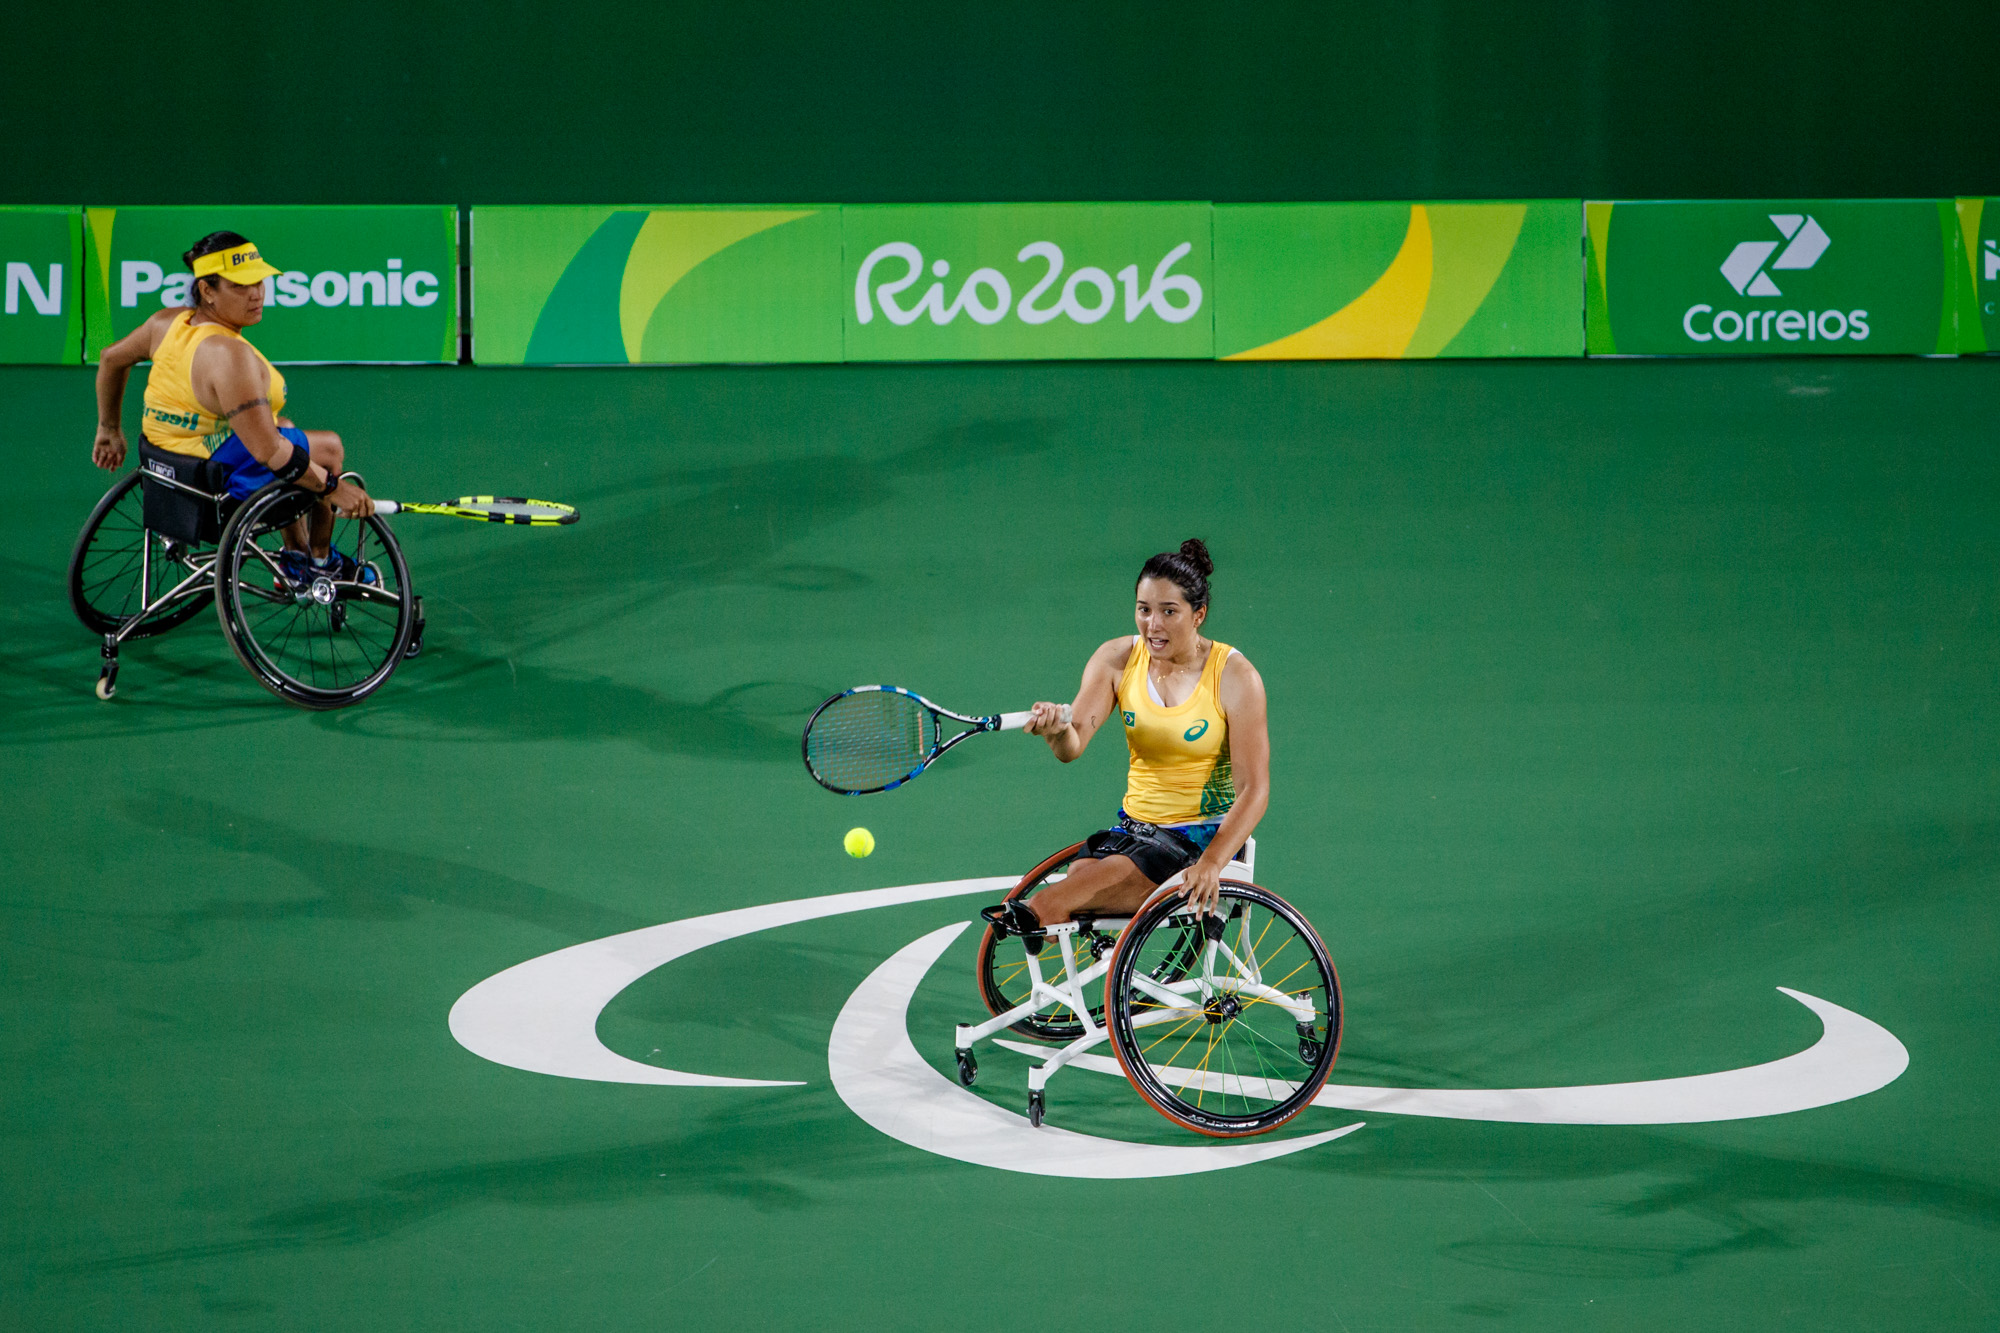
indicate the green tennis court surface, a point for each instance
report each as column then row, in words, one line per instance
column 1606, row 699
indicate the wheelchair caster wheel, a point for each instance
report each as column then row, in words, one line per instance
column 1311, row 1048
column 107, row 684
column 337, row 616
column 417, row 633
column 968, row 1068
column 107, row 675
column 1036, row 1106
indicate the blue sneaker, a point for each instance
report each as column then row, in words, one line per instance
column 301, row 569
column 297, row 567
column 344, row 568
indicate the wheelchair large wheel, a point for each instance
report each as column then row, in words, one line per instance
column 1227, row 1024
column 115, row 557
column 1003, row 963
column 314, row 640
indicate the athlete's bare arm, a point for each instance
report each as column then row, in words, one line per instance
column 1243, row 707
column 232, row 381
column 114, row 367
column 1095, row 699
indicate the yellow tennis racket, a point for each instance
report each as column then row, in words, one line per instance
column 489, row 509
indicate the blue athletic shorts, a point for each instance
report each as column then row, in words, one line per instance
column 247, row 476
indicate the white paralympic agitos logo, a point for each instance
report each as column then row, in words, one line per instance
column 986, row 295
column 541, row 1016
column 1745, row 266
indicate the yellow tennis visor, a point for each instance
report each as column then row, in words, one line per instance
column 243, row 264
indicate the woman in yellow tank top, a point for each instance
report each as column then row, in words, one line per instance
column 212, row 395
column 1193, row 715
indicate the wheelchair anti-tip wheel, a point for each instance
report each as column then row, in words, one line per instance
column 310, row 638
column 1228, row 1023
column 118, row 566
column 1004, row 979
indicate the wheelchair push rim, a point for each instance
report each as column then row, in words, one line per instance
column 1002, row 964
column 317, row 642
column 117, row 557
column 1230, row 1025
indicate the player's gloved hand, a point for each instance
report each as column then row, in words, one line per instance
column 1202, row 882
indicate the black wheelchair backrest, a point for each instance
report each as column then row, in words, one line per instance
column 184, row 495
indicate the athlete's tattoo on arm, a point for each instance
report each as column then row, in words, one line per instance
column 245, row 407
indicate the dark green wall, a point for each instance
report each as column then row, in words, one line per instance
column 368, row 101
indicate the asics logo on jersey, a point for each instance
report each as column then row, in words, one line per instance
column 1745, row 266
column 1195, row 732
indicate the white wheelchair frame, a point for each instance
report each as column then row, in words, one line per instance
column 1180, row 1000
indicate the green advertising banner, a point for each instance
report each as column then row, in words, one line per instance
column 626, row 285
column 42, row 249
column 1771, row 277
column 359, row 284
column 1979, row 280
column 1027, row 282
column 1321, row 281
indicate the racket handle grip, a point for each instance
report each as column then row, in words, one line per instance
column 1016, row 721
column 385, row 507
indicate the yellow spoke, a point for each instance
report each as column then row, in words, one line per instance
column 1279, row 984
column 1262, row 933
column 1201, row 1084
column 1263, row 963
column 1183, row 1046
column 1168, row 1033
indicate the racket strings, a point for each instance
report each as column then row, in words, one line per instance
column 868, row 740
column 506, row 509
column 511, row 508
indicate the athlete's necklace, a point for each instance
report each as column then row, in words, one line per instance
column 1202, row 648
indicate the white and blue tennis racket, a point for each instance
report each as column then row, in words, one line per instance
column 877, row 737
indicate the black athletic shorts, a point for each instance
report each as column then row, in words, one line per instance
column 1160, row 853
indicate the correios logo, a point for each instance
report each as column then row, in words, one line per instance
column 1748, row 271
column 1745, row 266
column 986, row 296
column 386, row 286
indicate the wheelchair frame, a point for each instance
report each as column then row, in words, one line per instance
column 1174, row 996
column 205, row 576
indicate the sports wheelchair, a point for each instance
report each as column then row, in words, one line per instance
column 1227, row 1023
column 168, row 538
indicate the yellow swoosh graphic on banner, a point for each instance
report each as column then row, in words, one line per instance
column 1471, row 244
column 1597, row 217
column 667, row 249
column 1377, row 323
column 1968, row 224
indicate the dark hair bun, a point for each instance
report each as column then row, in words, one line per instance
column 1188, row 569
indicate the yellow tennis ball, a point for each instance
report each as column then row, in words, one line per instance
column 858, row 842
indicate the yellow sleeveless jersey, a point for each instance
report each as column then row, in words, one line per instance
column 1180, row 756
column 174, row 421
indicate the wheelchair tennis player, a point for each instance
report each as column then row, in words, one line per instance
column 1194, row 717
column 211, row 395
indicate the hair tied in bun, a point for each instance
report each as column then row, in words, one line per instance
column 1187, row 569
